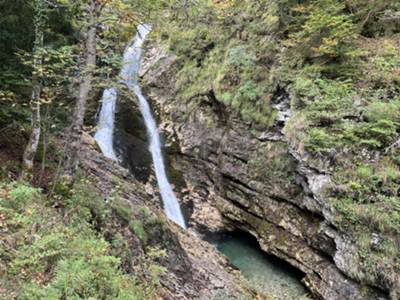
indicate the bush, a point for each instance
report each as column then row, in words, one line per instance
column 19, row 196
column 87, row 273
column 137, row 227
column 64, row 256
column 192, row 43
column 340, row 116
column 324, row 30
column 319, row 141
column 88, row 203
column 236, row 85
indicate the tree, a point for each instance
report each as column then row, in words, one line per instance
column 85, row 86
column 325, row 30
column 40, row 10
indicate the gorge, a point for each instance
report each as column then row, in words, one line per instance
column 281, row 205
column 219, row 166
column 275, row 279
column 233, row 150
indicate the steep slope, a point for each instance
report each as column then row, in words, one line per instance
column 104, row 237
column 195, row 269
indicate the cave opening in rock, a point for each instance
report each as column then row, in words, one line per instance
column 266, row 273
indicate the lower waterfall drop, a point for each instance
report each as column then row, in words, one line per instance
column 105, row 131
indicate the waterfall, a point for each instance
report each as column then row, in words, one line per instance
column 105, row 127
column 129, row 76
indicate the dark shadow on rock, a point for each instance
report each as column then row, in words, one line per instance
column 130, row 140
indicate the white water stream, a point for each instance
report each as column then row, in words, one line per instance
column 104, row 134
column 105, row 126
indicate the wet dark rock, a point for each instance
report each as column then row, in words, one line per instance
column 130, row 140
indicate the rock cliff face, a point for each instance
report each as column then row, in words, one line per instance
column 239, row 177
column 195, row 269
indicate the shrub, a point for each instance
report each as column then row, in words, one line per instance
column 192, row 43
column 326, row 30
column 64, row 256
column 41, row 255
column 87, row 273
column 238, row 87
column 137, row 227
column 319, row 141
column 19, row 196
column 88, row 203
column 379, row 110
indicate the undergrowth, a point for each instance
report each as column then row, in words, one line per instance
column 57, row 248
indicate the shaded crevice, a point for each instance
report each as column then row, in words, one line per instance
column 243, row 160
column 243, row 208
column 238, row 182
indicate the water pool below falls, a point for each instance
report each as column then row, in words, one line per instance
column 266, row 274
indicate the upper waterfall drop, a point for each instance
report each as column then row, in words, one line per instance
column 104, row 135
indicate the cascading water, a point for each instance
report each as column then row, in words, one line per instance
column 105, row 130
column 129, row 76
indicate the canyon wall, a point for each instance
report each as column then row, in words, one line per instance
column 240, row 177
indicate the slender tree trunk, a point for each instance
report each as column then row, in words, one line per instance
column 31, row 147
column 45, row 123
column 85, row 86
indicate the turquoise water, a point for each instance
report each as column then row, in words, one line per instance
column 266, row 274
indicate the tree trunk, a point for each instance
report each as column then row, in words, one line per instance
column 31, row 147
column 75, row 133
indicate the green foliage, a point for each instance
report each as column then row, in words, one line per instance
column 16, row 19
column 319, row 141
column 389, row 111
column 137, row 227
column 19, row 196
column 237, row 85
column 331, row 108
column 122, row 209
column 88, row 203
column 61, row 256
column 327, row 101
column 325, row 31
column 192, row 44
column 240, row 59
column 17, row 36
column 376, row 17
column 88, row 272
